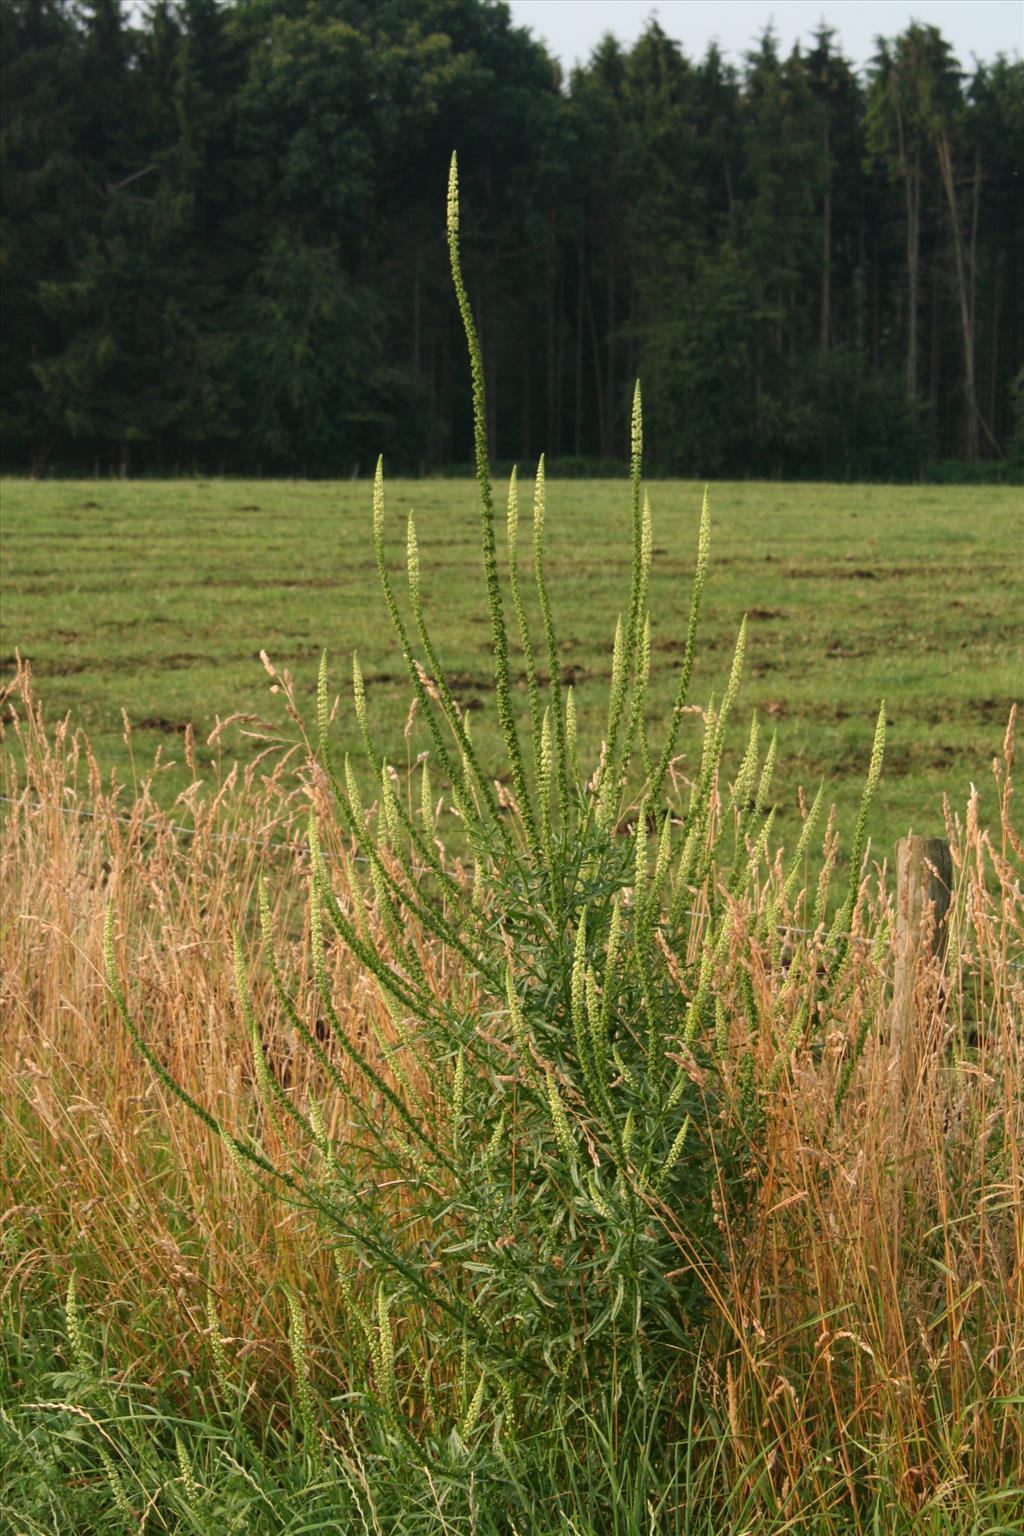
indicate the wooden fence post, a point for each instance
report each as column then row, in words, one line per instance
column 924, row 878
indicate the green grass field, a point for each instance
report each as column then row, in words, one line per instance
column 156, row 598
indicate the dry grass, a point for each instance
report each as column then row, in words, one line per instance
column 108, row 1172
column 869, row 1321
column 873, row 1318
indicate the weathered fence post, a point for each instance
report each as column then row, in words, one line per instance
column 924, row 878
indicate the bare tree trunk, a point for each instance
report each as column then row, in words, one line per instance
column 859, row 297
column 935, row 355
column 975, row 210
column 491, row 371
column 526, row 357
column 447, row 394
column 995, row 289
column 598, row 374
column 876, row 305
column 966, row 329
column 913, row 189
column 984, row 417
column 757, row 398
column 608, row 426
column 912, row 196
column 549, row 372
column 826, row 254
column 486, row 335
column 416, row 323
column 556, row 446
column 578, row 428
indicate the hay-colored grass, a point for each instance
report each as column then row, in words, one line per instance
column 867, row 1331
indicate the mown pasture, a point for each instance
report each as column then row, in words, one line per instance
column 156, row 598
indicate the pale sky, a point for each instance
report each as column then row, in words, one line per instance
column 572, row 27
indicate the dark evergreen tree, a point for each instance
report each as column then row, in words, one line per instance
column 41, row 212
column 223, row 244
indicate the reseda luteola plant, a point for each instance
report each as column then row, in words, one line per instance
column 506, row 1206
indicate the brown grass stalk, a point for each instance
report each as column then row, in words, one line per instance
column 105, row 1170
column 868, row 1315
column 871, row 1315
